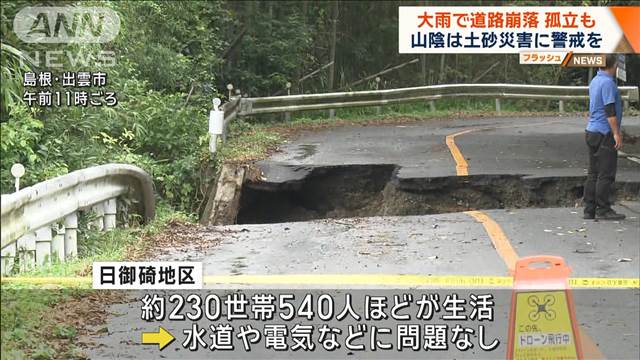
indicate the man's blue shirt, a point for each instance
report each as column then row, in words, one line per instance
column 603, row 91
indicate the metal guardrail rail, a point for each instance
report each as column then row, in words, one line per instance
column 306, row 102
column 231, row 110
column 41, row 221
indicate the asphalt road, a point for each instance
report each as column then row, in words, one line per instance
column 445, row 244
column 547, row 146
column 465, row 244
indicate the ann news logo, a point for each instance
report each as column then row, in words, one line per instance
column 66, row 24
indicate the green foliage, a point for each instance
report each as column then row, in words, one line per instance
column 14, row 63
column 19, row 143
column 21, row 322
column 277, row 43
column 155, row 124
column 172, row 44
column 64, row 331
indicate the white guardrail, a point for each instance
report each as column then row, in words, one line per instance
column 305, row 102
column 40, row 223
column 246, row 106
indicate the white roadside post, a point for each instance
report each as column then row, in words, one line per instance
column 71, row 235
column 57, row 243
column 98, row 212
column 43, row 245
column 378, row 108
column 216, row 124
column 110, row 212
column 27, row 251
column 230, row 88
column 17, row 170
column 8, row 258
column 287, row 115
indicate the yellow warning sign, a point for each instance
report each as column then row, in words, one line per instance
column 542, row 322
column 543, row 327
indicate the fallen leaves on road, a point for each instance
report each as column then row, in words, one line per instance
column 178, row 234
column 71, row 322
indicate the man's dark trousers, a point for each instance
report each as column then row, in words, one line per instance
column 603, row 163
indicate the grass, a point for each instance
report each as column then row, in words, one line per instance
column 23, row 321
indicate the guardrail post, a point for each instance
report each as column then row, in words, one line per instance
column 626, row 104
column 561, row 106
column 378, row 108
column 27, row 251
column 287, row 115
column 123, row 210
column 498, row 109
column 43, row 245
column 110, row 211
column 8, row 258
column 71, row 235
column 57, row 243
column 98, row 222
column 432, row 106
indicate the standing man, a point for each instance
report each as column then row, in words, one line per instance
column 604, row 139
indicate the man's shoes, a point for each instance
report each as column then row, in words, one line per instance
column 610, row 215
column 589, row 215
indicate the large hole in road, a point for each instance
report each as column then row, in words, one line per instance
column 374, row 190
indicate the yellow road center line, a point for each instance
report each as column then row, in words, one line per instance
column 498, row 238
column 354, row 279
column 462, row 168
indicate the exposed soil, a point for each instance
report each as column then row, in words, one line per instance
column 374, row 190
column 83, row 314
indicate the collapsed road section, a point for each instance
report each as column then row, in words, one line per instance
column 375, row 190
column 409, row 169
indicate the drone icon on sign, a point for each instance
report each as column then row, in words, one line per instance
column 541, row 308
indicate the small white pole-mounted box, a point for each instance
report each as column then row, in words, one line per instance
column 216, row 119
